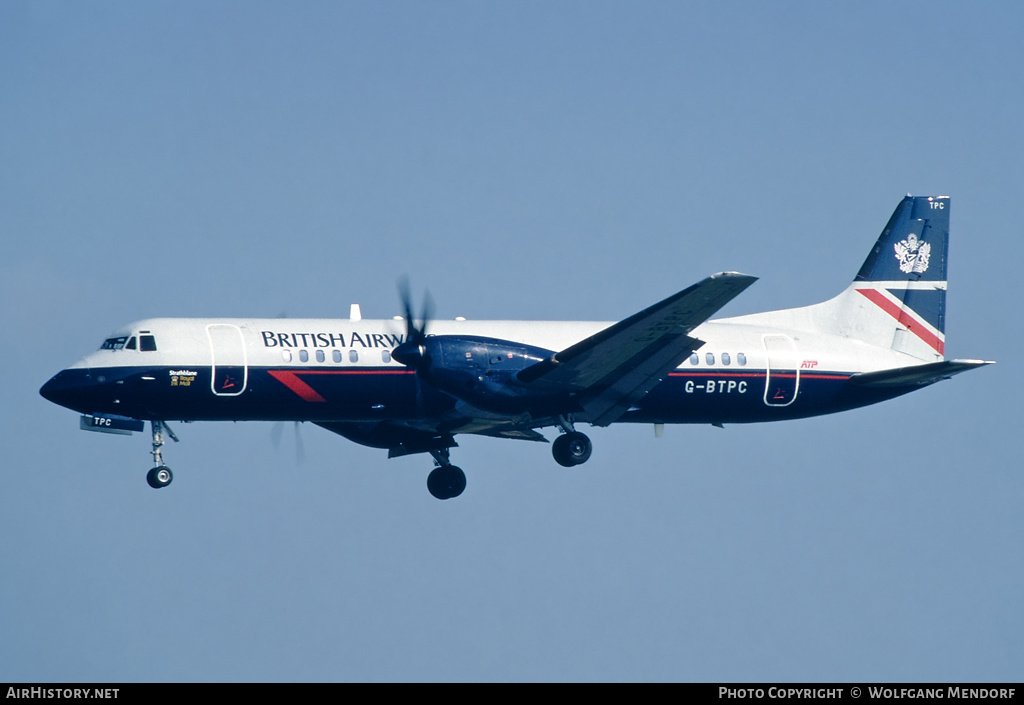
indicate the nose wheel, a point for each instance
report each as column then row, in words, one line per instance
column 161, row 475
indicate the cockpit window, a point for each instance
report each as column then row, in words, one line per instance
column 145, row 343
column 114, row 343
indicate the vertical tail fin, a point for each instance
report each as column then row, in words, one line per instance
column 898, row 299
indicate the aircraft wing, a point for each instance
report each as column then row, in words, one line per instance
column 611, row 370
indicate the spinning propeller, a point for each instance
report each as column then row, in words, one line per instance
column 276, row 432
column 412, row 352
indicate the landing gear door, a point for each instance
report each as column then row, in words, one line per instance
column 229, row 371
column 783, row 379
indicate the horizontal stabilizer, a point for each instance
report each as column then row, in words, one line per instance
column 917, row 375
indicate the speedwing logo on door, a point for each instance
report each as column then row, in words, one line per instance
column 229, row 368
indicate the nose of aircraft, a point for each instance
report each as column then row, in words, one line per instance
column 55, row 389
column 69, row 388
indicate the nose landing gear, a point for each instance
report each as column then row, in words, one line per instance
column 161, row 475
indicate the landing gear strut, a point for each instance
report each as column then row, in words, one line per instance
column 161, row 475
column 572, row 447
column 445, row 481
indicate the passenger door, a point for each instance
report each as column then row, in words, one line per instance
column 782, row 381
column 229, row 371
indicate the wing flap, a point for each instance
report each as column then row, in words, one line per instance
column 517, row 433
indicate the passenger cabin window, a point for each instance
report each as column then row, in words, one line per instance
column 694, row 359
column 709, row 358
column 741, row 358
column 303, row 356
column 726, row 359
column 353, row 356
column 336, row 355
column 147, row 343
column 320, row 356
column 385, row 355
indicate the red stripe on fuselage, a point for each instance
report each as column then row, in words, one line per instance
column 291, row 379
column 914, row 326
column 760, row 375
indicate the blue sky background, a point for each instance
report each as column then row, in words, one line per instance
column 569, row 160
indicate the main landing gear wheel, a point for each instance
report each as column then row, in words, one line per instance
column 446, row 482
column 159, row 476
column 572, row 449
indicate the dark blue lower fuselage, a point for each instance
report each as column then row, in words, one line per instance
column 389, row 393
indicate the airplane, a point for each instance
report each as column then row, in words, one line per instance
column 410, row 386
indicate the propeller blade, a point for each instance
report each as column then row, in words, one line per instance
column 300, row 448
column 277, row 430
column 428, row 313
column 410, row 352
column 406, row 296
column 413, row 331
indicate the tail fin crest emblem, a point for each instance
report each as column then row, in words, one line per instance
column 913, row 255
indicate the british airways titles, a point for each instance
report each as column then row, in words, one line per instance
column 330, row 340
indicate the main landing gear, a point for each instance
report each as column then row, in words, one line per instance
column 445, row 481
column 161, row 475
column 572, row 447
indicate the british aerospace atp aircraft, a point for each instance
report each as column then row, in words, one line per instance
column 412, row 387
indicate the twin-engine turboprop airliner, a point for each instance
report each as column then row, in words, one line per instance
column 411, row 386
